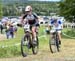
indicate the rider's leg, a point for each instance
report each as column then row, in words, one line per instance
column 59, row 37
column 34, row 33
column 51, row 34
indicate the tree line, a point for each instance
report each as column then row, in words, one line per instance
column 64, row 8
column 41, row 8
column 67, row 9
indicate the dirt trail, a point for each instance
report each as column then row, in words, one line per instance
column 67, row 53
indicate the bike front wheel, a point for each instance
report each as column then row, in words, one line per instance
column 35, row 47
column 25, row 46
column 53, row 45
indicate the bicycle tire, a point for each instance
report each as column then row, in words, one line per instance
column 35, row 47
column 51, row 46
column 24, row 53
column 54, row 46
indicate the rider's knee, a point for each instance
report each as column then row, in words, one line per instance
column 59, row 34
column 33, row 29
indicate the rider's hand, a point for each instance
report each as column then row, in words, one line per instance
column 37, row 24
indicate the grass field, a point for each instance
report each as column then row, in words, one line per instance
column 11, row 47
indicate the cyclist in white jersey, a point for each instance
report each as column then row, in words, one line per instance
column 56, row 24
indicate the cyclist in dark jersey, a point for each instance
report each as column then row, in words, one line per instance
column 32, row 19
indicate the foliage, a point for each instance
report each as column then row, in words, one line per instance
column 41, row 8
column 1, row 9
column 71, row 32
column 67, row 9
column 68, row 33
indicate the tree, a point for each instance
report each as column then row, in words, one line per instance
column 67, row 9
column 41, row 8
column 1, row 13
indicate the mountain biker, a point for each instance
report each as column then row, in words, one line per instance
column 56, row 24
column 32, row 20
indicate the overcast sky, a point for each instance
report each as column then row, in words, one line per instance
column 46, row 0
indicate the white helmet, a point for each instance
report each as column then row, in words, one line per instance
column 54, row 17
column 28, row 8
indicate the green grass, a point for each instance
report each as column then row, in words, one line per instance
column 69, row 32
column 12, row 51
column 15, row 40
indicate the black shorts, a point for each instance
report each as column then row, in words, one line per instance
column 32, row 22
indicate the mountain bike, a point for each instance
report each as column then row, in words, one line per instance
column 27, row 42
column 54, row 42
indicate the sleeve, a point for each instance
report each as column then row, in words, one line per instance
column 23, row 17
column 51, row 22
column 60, row 22
column 35, row 15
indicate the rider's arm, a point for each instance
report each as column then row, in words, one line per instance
column 37, row 24
column 23, row 19
column 37, row 19
column 50, row 24
column 61, row 24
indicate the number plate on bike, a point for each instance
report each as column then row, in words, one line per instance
column 27, row 27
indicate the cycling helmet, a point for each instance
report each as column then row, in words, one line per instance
column 28, row 8
column 55, row 18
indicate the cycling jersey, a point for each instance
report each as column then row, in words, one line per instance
column 31, row 18
column 57, row 24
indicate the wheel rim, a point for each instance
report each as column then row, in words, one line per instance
column 52, row 46
column 25, row 47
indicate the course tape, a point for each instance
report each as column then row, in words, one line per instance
column 68, row 36
column 5, row 46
